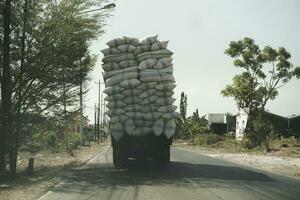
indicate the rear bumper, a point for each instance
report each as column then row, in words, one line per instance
column 142, row 147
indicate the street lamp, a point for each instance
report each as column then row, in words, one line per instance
column 98, row 113
column 108, row 6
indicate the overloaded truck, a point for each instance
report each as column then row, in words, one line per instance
column 139, row 84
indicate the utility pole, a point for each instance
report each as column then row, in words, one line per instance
column 95, row 123
column 98, row 117
column 65, row 111
column 104, row 112
column 81, row 106
column 101, row 117
column 104, row 117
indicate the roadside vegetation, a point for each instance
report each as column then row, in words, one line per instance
column 45, row 65
column 264, row 71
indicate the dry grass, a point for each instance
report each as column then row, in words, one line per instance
column 284, row 147
column 49, row 169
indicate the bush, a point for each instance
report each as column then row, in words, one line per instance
column 206, row 139
column 49, row 139
column 261, row 130
column 285, row 142
column 75, row 139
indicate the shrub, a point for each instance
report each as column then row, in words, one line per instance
column 75, row 139
column 49, row 139
column 206, row 139
column 259, row 133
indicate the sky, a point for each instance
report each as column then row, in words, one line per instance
column 198, row 32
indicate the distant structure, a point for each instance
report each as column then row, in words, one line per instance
column 217, row 123
column 294, row 125
column 284, row 126
column 222, row 123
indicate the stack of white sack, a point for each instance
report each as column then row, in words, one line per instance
column 139, row 87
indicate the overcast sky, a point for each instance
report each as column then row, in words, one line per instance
column 198, row 32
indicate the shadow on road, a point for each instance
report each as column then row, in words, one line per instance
column 97, row 176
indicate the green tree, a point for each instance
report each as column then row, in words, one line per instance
column 183, row 105
column 180, row 120
column 56, row 61
column 265, row 71
column 196, row 117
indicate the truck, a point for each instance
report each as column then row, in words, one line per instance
column 141, row 148
column 139, row 84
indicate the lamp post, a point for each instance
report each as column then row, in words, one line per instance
column 108, row 6
column 98, row 109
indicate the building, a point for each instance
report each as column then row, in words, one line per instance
column 294, row 125
column 221, row 123
column 74, row 122
column 217, row 123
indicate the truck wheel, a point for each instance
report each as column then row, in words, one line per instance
column 167, row 154
column 116, row 157
column 163, row 155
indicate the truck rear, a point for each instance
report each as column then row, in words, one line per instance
column 139, row 86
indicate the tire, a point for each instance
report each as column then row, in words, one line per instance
column 167, row 154
column 163, row 155
column 116, row 157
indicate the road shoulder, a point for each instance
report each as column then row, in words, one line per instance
column 286, row 166
column 50, row 171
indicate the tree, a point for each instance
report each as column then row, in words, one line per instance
column 196, row 117
column 181, row 119
column 44, row 66
column 183, row 105
column 265, row 71
column 6, row 100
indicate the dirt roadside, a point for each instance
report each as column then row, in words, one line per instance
column 49, row 170
column 282, row 165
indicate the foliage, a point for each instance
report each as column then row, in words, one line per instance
column 282, row 141
column 74, row 139
column 183, row 105
column 206, row 139
column 187, row 127
column 48, row 139
column 261, row 130
column 180, row 120
column 265, row 71
column 231, row 123
column 196, row 116
column 56, row 60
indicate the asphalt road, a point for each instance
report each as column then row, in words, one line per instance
column 190, row 175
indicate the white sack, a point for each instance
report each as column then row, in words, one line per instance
column 169, row 128
column 147, row 64
column 112, row 90
column 115, row 104
column 110, row 73
column 131, row 83
column 126, row 48
column 115, row 79
column 158, row 127
column 129, row 126
column 127, row 63
column 117, row 131
column 159, row 45
column 109, row 51
column 118, row 57
column 163, row 62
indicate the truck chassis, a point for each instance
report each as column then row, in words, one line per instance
column 141, row 148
